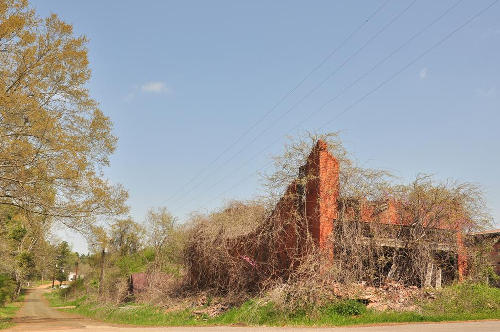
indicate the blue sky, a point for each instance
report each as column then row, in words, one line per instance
column 182, row 80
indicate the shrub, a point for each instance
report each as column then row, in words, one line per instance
column 74, row 288
column 346, row 308
column 211, row 260
column 136, row 262
column 7, row 289
column 465, row 298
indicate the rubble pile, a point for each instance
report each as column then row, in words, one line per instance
column 390, row 296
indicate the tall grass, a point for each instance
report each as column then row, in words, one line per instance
column 459, row 302
column 8, row 311
column 466, row 299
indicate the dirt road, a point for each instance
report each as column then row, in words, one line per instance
column 36, row 315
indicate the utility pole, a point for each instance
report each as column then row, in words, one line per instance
column 54, row 276
column 101, row 277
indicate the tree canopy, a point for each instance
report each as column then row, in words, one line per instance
column 55, row 140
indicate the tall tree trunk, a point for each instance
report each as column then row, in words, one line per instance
column 18, row 289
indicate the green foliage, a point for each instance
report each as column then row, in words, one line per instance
column 465, row 298
column 479, row 265
column 74, row 290
column 63, row 254
column 128, row 314
column 6, row 314
column 166, row 237
column 63, row 261
column 346, row 308
column 58, row 298
column 94, row 283
column 61, row 275
column 125, row 236
column 7, row 310
column 459, row 302
column 25, row 260
column 136, row 262
column 52, row 150
column 253, row 313
column 7, row 289
column 20, row 259
column 17, row 232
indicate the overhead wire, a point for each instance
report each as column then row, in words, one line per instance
column 394, row 75
column 283, row 98
column 309, row 93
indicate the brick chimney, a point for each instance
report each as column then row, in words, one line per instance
column 322, row 190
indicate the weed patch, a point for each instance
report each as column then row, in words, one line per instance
column 477, row 302
column 465, row 299
column 8, row 311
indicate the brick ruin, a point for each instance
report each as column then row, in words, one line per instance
column 309, row 212
column 491, row 238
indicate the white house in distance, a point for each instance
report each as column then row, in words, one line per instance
column 72, row 276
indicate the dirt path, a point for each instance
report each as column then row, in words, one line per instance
column 36, row 315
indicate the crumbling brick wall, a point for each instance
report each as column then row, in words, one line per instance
column 308, row 211
column 301, row 220
column 322, row 170
column 308, row 207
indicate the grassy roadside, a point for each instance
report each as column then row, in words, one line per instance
column 457, row 303
column 8, row 311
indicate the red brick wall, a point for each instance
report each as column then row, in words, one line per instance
column 313, row 214
column 461, row 256
column 285, row 218
column 321, row 196
column 495, row 257
column 309, row 207
column 370, row 212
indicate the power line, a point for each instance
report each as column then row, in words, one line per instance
column 285, row 96
column 395, row 74
column 314, row 89
column 409, row 64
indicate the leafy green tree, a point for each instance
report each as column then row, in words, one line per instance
column 165, row 236
column 7, row 288
column 63, row 256
column 54, row 143
column 18, row 240
column 61, row 276
column 125, row 236
column 45, row 259
column 54, row 140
